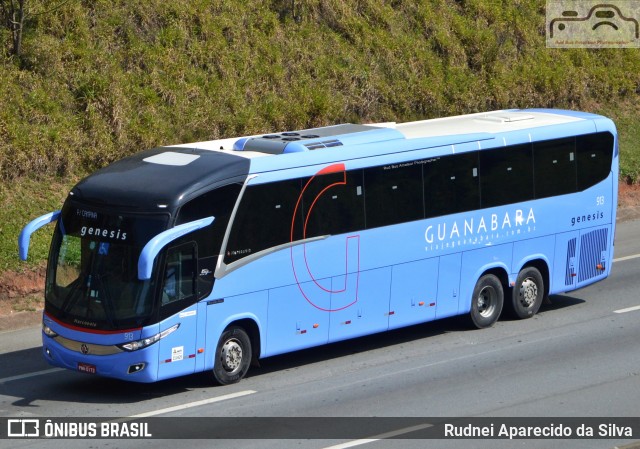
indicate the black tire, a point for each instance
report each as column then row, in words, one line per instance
column 528, row 293
column 486, row 302
column 233, row 356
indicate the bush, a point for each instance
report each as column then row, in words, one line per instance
column 98, row 80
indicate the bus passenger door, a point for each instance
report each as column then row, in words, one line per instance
column 177, row 350
column 448, row 285
column 565, row 267
column 414, row 289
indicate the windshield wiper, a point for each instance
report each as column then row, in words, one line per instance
column 67, row 304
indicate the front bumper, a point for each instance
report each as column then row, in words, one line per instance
column 135, row 366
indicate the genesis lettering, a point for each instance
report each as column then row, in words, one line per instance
column 115, row 234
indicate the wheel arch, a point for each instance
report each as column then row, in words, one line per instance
column 253, row 331
column 487, row 300
column 501, row 273
column 499, row 270
column 249, row 322
column 542, row 265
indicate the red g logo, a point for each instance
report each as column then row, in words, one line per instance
column 344, row 292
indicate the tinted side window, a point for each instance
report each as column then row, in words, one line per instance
column 554, row 167
column 179, row 279
column 594, row 158
column 180, row 274
column 264, row 219
column 393, row 194
column 334, row 204
column 451, row 184
column 217, row 203
column 506, row 175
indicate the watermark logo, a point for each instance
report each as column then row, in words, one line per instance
column 26, row 428
column 593, row 24
column 75, row 428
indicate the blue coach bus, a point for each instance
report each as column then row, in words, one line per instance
column 202, row 257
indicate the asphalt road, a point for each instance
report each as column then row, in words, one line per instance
column 577, row 357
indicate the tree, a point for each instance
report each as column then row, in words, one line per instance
column 13, row 15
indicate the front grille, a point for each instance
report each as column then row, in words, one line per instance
column 87, row 348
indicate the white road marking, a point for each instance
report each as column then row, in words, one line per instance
column 26, row 376
column 193, row 404
column 621, row 259
column 628, row 309
column 382, row 436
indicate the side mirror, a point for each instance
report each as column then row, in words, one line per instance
column 155, row 245
column 33, row 226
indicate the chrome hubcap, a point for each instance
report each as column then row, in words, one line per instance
column 231, row 355
column 528, row 292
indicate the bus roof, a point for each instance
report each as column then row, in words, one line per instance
column 272, row 152
column 161, row 178
column 170, row 176
column 494, row 122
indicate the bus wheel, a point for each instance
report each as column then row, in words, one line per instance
column 487, row 301
column 528, row 293
column 233, row 356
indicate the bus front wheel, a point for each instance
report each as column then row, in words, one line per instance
column 233, row 356
column 528, row 293
column 487, row 301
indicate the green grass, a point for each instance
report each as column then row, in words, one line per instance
column 99, row 80
column 627, row 119
column 23, row 200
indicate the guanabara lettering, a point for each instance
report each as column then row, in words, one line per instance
column 473, row 226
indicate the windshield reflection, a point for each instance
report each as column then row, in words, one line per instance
column 92, row 278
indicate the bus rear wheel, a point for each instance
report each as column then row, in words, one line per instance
column 528, row 293
column 487, row 301
column 233, row 356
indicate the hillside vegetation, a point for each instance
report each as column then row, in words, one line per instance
column 97, row 80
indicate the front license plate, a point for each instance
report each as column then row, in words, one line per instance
column 86, row 368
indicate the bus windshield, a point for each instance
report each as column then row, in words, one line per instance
column 92, row 278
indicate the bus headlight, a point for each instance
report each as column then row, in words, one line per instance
column 140, row 344
column 47, row 331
